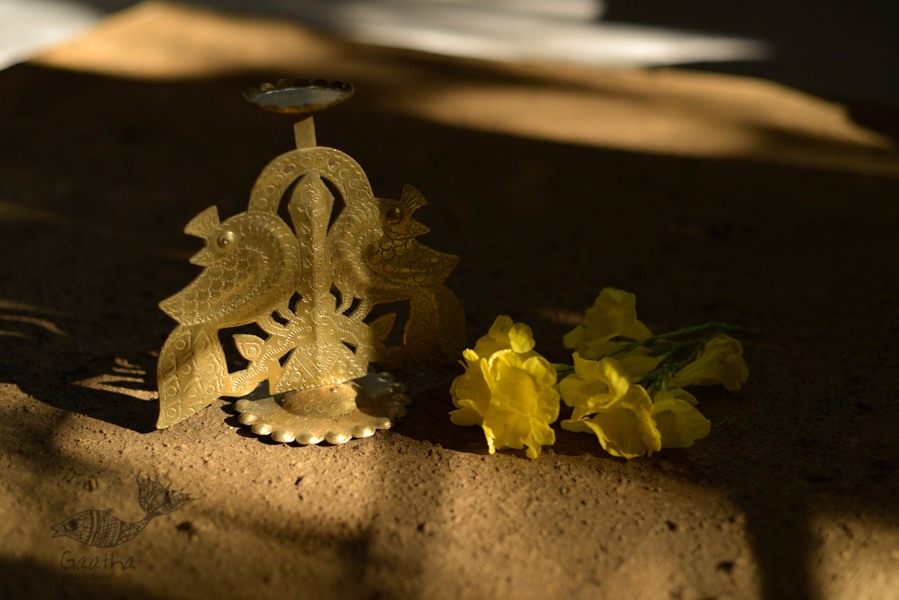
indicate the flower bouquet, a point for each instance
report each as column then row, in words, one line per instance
column 626, row 385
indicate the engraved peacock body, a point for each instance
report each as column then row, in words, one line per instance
column 375, row 257
column 251, row 264
column 398, row 260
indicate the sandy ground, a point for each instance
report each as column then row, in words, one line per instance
column 710, row 197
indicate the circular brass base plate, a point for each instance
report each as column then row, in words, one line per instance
column 333, row 413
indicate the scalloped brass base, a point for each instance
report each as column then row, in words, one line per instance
column 333, row 413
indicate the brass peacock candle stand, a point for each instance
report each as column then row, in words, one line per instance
column 306, row 291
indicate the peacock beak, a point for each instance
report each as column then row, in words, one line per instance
column 415, row 228
column 203, row 258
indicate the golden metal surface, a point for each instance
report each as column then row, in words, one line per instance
column 309, row 287
column 334, row 413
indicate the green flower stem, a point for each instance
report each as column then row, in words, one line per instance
column 562, row 373
column 666, row 345
column 562, row 370
column 665, row 339
column 654, row 380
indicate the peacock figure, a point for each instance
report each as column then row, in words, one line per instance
column 305, row 265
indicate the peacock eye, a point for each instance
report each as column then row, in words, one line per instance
column 226, row 239
column 394, row 215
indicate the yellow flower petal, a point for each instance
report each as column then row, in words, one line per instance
column 613, row 314
column 677, row 419
column 510, row 429
column 719, row 361
column 470, row 391
column 679, row 393
column 467, row 413
column 521, row 338
column 505, row 335
column 574, row 338
column 593, row 384
column 470, row 356
column 638, row 362
column 625, row 426
column 586, row 382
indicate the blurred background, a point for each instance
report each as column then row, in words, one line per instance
column 841, row 50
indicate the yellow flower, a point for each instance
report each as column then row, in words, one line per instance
column 608, row 405
column 507, row 389
column 593, row 384
column 523, row 404
column 612, row 315
column 470, row 391
column 505, row 335
column 624, row 426
column 677, row 419
column 719, row 361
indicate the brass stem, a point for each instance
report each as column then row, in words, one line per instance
column 304, row 132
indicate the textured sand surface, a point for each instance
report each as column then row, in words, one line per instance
column 710, row 197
